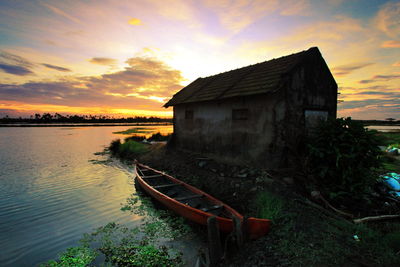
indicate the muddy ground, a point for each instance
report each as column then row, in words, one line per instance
column 307, row 234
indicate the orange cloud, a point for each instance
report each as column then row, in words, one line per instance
column 377, row 78
column 135, row 22
column 391, row 44
column 103, row 61
column 143, row 85
column 396, row 64
column 348, row 68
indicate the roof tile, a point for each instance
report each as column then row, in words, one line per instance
column 254, row 79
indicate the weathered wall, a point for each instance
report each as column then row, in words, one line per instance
column 309, row 87
column 274, row 133
column 213, row 130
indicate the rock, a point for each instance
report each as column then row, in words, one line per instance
column 243, row 171
column 315, row 194
column 202, row 164
column 234, row 169
column 392, row 152
column 214, row 170
column 253, row 189
column 264, row 180
column 244, row 175
column 222, row 174
column 288, row 180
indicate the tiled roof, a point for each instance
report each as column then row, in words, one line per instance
column 254, row 79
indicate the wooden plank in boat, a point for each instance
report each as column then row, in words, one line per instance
column 212, row 208
column 165, row 186
column 152, row 176
column 188, row 197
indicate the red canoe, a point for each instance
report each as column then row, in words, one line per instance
column 194, row 204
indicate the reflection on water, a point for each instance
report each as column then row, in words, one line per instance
column 51, row 192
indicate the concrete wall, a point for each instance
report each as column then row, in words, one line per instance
column 274, row 134
column 213, row 130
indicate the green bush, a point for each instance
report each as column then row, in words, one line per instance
column 342, row 156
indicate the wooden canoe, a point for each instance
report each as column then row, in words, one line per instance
column 194, row 204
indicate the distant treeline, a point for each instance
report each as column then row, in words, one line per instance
column 388, row 121
column 58, row 118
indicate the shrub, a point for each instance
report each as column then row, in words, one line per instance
column 342, row 157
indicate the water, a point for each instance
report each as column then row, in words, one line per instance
column 51, row 190
column 384, row 128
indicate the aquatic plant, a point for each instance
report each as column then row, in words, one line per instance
column 137, row 246
column 74, row 257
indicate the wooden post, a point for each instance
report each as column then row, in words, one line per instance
column 238, row 231
column 214, row 241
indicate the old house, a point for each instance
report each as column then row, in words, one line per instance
column 259, row 113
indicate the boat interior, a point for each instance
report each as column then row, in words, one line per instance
column 181, row 193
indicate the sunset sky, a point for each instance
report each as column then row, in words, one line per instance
column 128, row 57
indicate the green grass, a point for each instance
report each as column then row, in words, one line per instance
column 127, row 150
column 134, row 131
column 389, row 138
column 269, row 206
column 132, row 148
column 302, row 236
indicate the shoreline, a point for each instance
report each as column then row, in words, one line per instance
column 87, row 124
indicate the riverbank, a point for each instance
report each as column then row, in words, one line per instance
column 304, row 233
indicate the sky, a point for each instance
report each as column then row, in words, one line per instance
column 128, row 57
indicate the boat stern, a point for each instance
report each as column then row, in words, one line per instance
column 256, row 227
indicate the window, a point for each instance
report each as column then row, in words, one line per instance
column 189, row 114
column 240, row 114
column 313, row 117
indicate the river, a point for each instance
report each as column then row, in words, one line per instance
column 54, row 188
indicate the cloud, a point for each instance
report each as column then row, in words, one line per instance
column 15, row 65
column 103, row 61
column 388, row 19
column 377, row 78
column 11, row 59
column 391, row 44
column 56, row 67
column 396, row 64
column 300, row 7
column 135, row 22
column 60, row 12
column 235, row 15
column 143, row 84
column 15, row 70
column 349, row 68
